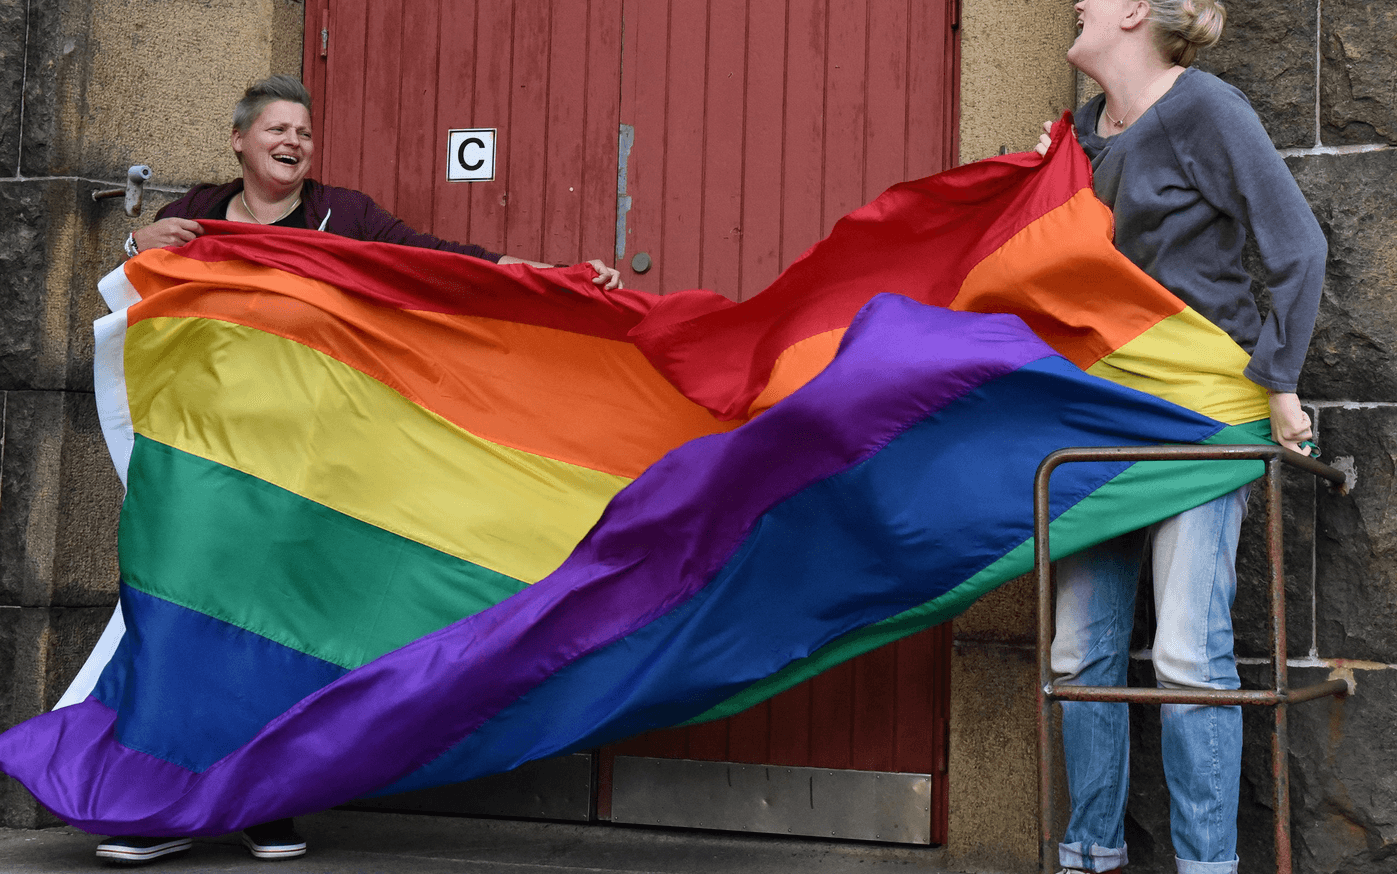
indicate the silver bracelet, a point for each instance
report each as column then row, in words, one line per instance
column 130, row 247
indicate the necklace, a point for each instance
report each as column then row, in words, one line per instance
column 295, row 203
column 1120, row 122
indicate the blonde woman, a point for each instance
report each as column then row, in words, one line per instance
column 1189, row 173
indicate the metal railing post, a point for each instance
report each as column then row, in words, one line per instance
column 1280, row 696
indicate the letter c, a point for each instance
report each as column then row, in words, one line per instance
column 461, row 153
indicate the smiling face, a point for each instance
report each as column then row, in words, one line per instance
column 275, row 150
column 1099, row 24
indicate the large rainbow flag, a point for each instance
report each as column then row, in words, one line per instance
column 397, row 518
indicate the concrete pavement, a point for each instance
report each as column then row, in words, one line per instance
column 354, row 842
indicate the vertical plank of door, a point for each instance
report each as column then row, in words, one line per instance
column 764, row 126
column 455, row 108
column 340, row 137
column 940, row 691
column 723, row 135
column 636, row 113
column 682, row 202
column 846, row 109
column 708, row 742
column 832, row 717
column 791, row 726
column 642, row 108
column 565, row 152
column 932, row 123
column 603, row 100
column 526, row 141
column 804, row 129
column 886, row 89
column 916, row 688
column 749, row 735
column 313, row 74
column 417, row 100
column 874, row 727
column 827, row 706
column 493, row 58
column 378, row 173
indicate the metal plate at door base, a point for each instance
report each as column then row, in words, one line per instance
column 773, row 799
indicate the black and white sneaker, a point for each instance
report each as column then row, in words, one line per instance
column 274, row 840
column 137, row 851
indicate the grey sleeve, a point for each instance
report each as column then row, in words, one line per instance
column 1221, row 144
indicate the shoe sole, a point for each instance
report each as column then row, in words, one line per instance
column 260, row 851
column 136, row 856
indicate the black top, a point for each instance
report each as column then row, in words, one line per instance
column 296, row 218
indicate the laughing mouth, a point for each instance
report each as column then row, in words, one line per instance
column 290, row 160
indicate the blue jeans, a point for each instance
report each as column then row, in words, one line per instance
column 1195, row 580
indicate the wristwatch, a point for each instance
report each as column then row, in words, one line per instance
column 131, row 250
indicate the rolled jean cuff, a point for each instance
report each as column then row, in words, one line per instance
column 1188, row 867
column 1092, row 857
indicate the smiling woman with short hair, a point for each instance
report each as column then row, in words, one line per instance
column 274, row 143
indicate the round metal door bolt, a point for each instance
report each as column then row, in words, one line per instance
column 641, row 262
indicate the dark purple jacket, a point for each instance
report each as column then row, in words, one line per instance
column 352, row 214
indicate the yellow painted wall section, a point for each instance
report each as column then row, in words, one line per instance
column 1014, row 77
column 1013, row 74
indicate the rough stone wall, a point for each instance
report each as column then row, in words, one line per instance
column 1320, row 74
column 87, row 89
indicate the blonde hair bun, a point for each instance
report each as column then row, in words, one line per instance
column 1185, row 26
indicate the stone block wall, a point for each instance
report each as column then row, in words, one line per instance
column 1321, row 77
column 86, row 90
column 1320, row 74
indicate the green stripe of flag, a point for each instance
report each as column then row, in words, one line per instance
column 234, row 547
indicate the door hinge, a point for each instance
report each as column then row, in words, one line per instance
column 324, row 32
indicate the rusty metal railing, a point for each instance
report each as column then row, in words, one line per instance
column 1280, row 696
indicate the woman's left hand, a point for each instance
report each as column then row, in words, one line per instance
column 1290, row 424
column 608, row 278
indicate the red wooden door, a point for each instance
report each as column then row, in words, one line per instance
column 721, row 138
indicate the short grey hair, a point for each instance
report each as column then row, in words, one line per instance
column 1182, row 27
column 262, row 93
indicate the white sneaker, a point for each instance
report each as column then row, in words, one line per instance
column 138, row 851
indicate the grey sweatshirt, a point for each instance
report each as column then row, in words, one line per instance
column 1187, row 182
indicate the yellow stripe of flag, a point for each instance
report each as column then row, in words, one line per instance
column 1209, row 383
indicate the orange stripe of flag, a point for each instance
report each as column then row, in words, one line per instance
column 508, row 383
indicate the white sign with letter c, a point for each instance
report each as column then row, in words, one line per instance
column 470, row 155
